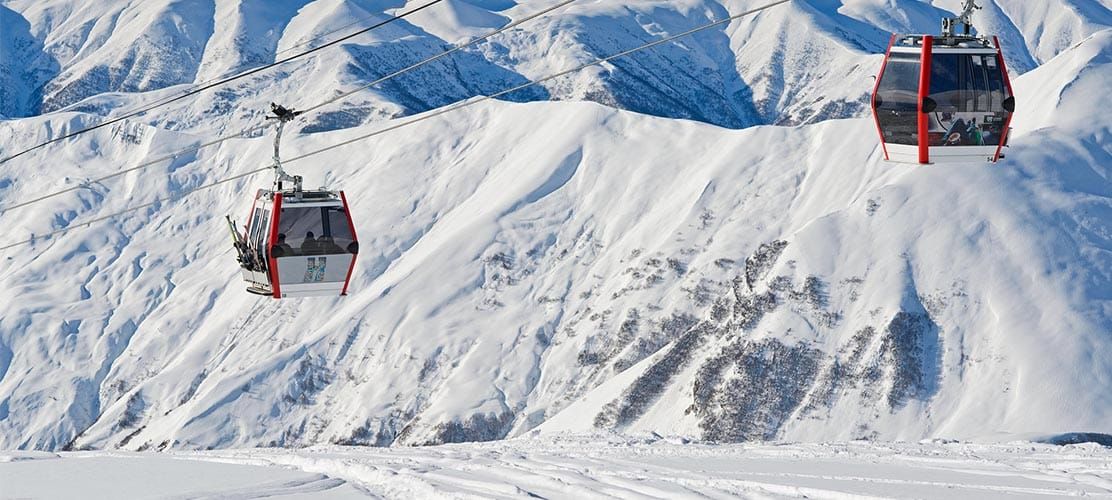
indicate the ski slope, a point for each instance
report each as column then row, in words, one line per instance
column 597, row 466
column 575, row 263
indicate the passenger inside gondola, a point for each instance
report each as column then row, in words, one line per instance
column 969, row 92
column 309, row 246
column 327, row 245
column 281, row 248
column 326, row 231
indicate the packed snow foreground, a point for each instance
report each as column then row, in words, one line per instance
column 586, row 466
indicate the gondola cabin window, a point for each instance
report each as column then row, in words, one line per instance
column 314, row 231
column 969, row 92
column 897, row 99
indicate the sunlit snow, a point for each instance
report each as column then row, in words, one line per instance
column 702, row 240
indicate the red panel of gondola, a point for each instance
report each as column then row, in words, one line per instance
column 271, row 242
column 355, row 242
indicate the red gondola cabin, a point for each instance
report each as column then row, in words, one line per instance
column 943, row 99
column 298, row 244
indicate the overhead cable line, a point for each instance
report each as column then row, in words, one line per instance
column 325, row 34
column 90, row 222
column 257, row 128
column 511, row 90
column 219, row 82
column 439, row 56
column 140, row 166
column 297, row 45
column 408, row 122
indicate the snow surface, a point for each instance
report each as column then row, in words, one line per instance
column 557, row 266
column 115, row 476
column 597, row 466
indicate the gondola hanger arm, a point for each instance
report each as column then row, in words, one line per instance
column 283, row 115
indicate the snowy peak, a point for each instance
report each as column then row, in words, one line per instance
column 249, row 35
column 458, row 20
column 785, row 66
column 149, row 45
column 1050, row 27
column 899, row 16
column 1061, row 93
column 21, row 69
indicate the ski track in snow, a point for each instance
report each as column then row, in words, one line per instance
column 604, row 466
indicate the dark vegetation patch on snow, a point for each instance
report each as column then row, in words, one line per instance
column 311, row 378
column 749, row 389
column 760, row 263
column 649, row 386
column 479, row 427
column 905, row 349
column 768, row 381
column 1079, row 438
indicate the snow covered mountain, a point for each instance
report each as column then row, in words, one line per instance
column 556, row 266
column 801, row 63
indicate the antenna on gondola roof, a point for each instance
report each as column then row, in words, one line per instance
column 965, row 19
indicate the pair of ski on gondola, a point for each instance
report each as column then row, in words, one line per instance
column 936, row 99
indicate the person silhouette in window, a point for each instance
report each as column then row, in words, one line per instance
column 973, row 132
column 310, row 245
column 281, row 248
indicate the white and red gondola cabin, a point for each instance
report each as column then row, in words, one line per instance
column 299, row 244
column 943, row 98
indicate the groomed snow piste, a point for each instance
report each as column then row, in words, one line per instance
column 597, row 466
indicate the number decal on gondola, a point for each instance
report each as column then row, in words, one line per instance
column 314, row 269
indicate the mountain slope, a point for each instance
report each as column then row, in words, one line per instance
column 561, row 265
column 500, row 282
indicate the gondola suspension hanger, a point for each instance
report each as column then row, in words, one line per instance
column 284, row 116
column 965, row 19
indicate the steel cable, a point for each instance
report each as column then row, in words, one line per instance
column 258, row 128
column 407, row 122
column 211, row 84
